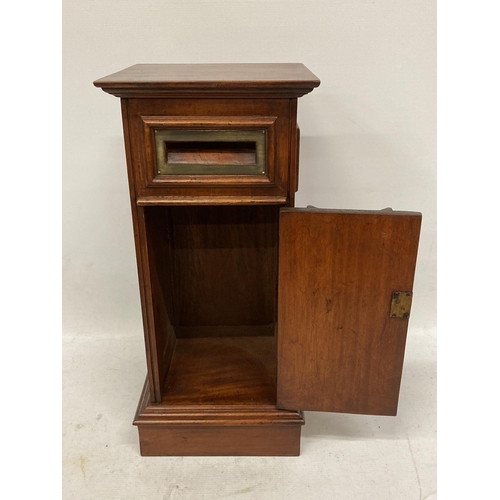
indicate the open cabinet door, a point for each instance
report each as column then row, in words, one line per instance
column 344, row 295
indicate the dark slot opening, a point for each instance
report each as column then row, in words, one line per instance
column 211, row 153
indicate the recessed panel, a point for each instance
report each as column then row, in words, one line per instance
column 195, row 151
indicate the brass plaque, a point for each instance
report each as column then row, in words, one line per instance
column 401, row 304
column 210, row 152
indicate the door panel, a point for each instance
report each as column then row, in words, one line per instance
column 339, row 349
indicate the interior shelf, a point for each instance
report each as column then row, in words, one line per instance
column 222, row 371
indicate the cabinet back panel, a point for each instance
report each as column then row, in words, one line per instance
column 225, row 269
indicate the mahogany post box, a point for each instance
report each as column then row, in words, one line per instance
column 253, row 310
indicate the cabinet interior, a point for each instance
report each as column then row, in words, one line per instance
column 214, row 293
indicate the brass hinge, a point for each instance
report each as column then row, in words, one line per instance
column 401, row 304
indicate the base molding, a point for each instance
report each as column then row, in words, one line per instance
column 216, row 430
column 213, row 441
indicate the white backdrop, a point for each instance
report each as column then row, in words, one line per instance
column 368, row 133
column 368, row 140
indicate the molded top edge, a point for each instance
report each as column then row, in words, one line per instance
column 143, row 80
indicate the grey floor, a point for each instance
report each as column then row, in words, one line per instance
column 343, row 456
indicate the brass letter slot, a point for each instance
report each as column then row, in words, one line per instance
column 211, row 153
column 215, row 152
column 401, row 304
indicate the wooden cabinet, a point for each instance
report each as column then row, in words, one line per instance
column 253, row 310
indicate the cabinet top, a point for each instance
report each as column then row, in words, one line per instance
column 210, row 80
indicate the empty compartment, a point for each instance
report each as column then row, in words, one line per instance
column 214, row 281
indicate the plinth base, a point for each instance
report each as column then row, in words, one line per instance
column 203, row 430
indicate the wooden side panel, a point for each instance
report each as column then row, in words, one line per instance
column 338, row 348
column 160, row 260
column 294, row 152
column 142, row 262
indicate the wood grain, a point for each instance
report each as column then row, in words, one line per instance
column 193, row 199
column 225, row 265
column 222, row 371
column 338, row 349
column 270, row 115
column 217, row 123
column 153, row 378
column 253, row 430
column 163, row 297
column 190, row 80
column 258, row 440
column 207, row 153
